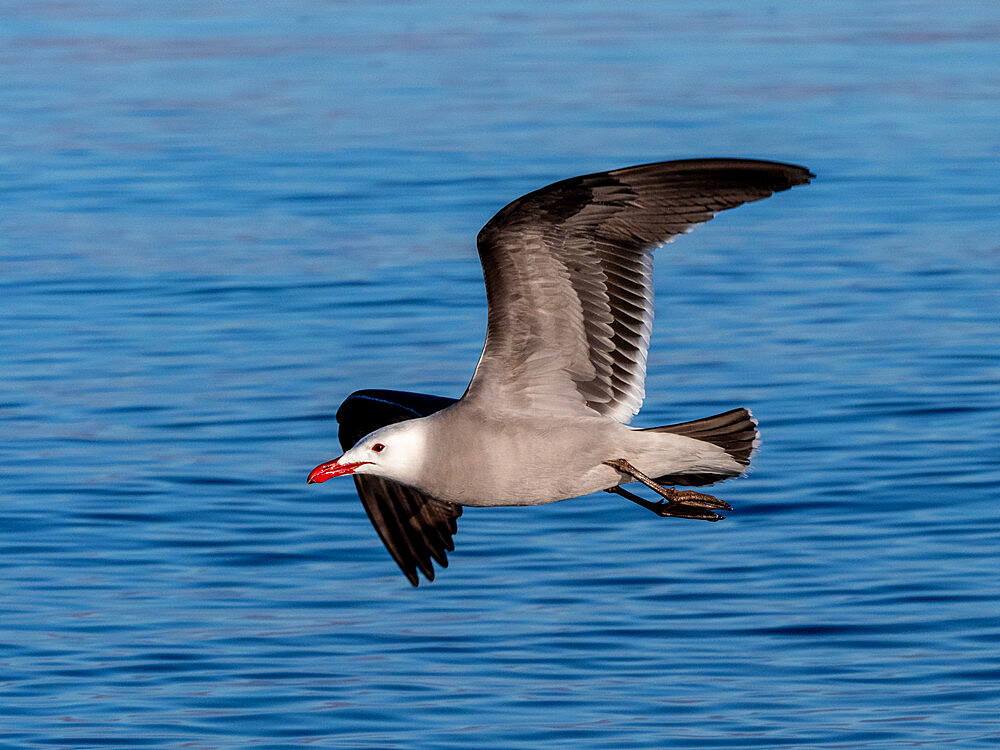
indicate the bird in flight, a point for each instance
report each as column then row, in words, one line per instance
column 569, row 284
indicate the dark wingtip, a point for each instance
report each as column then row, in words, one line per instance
column 774, row 175
column 801, row 175
column 785, row 175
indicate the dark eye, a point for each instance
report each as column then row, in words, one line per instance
column 378, row 447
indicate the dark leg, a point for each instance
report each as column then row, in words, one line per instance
column 687, row 497
column 668, row 510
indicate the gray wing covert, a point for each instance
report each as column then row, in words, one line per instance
column 568, row 272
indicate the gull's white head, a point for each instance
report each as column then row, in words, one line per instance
column 394, row 452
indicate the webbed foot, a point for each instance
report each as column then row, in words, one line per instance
column 678, row 503
column 665, row 509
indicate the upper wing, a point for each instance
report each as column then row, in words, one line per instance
column 414, row 527
column 568, row 272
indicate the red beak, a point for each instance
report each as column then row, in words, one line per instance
column 332, row 469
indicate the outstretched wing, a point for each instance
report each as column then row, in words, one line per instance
column 414, row 527
column 568, row 272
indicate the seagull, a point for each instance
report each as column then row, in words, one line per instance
column 569, row 284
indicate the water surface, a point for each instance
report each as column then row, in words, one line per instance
column 218, row 221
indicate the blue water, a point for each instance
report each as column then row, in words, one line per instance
column 218, row 219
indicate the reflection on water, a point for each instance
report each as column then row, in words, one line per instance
column 218, row 221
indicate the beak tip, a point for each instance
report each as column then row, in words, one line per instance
column 315, row 476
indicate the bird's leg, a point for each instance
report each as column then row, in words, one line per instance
column 668, row 510
column 687, row 497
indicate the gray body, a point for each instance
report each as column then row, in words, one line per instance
column 516, row 459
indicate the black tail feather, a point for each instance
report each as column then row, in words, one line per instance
column 734, row 431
